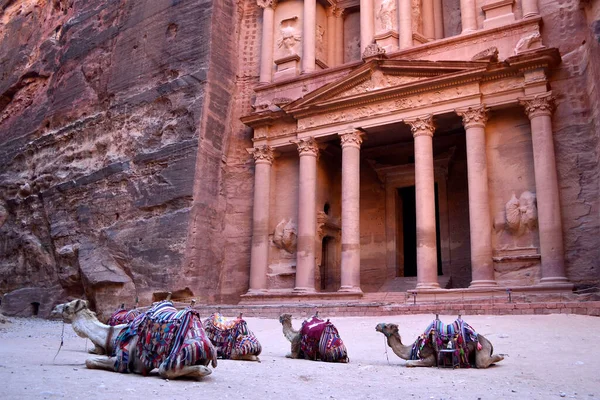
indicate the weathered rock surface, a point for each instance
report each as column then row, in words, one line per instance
column 108, row 127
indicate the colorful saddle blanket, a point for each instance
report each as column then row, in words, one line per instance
column 320, row 340
column 231, row 336
column 165, row 334
column 438, row 334
column 122, row 316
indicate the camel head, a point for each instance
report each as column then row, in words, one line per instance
column 387, row 329
column 67, row 311
column 285, row 318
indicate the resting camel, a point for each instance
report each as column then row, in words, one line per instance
column 232, row 338
column 129, row 353
column 479, row 351
column 316, row 340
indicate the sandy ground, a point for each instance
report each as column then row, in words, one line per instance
column 548, row 356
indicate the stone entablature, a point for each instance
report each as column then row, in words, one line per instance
column 458, row 48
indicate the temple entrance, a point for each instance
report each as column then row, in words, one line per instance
column 407, row 232
column 328, row 271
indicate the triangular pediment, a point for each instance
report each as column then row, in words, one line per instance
column 384, row 78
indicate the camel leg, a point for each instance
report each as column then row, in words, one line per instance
column 484, row 357
column 192, row 371
column 97, row 350
column 101, row 362
column 428, row 361
column 245, row 357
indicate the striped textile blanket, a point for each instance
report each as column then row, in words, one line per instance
column 320, row 340
column 231, row 336
column 123, row 316
column 438, row 334
column 164, row 334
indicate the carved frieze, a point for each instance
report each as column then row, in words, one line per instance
column 373, row 50
column 421, row 126
column 538, row 105
column 307, row 147
column 263, row 154
column 473, row 116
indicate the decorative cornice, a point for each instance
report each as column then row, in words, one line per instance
column 267, row 3
column 307, row 147
column 351, row 139
column 263, row 154
column 489, row 54
column 421, row 126
column 538, row 105
column 473, row 116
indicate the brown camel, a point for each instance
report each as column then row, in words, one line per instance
column 479, row 351
column 86, row 324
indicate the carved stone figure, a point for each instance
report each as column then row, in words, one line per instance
column 529, row 42
column 521, row 213
column 289, row 38
column 386, row 14
column 320, row 41
column 285, row 235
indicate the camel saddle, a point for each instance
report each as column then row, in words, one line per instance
column 123, row 316
column 320, row 340
column 164, row 334
column 231, row 336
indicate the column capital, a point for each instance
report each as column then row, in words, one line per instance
column 421, row 126
column 473, row 116
column 541, row 104
column 263, row 154
column 335, row 11
column 351, row 138
column 267, row 3
column 307, row 147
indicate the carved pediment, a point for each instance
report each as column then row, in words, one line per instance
column 387, row 78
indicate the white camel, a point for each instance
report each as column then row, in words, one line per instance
column 104, row 337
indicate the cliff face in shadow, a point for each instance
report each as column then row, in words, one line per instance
column 103, row 145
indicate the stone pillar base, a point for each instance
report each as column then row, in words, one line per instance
column 431, row 285
column 483, row 283
column 350, row 289
column 255, row 292
column 303, row 290
column 555, row 280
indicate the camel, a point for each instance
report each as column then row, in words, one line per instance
column 128, row 353
column 232, row 338
column 425, row 350
column 316, row 339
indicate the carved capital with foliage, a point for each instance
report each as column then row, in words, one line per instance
column 351, row 138
column 308, row 147
column 267, row 3
column 538, row 105
column 473, row 116
column 263, row 154
column 421, row 126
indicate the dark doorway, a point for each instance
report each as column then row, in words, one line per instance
column 325, row 263
column 408, row 240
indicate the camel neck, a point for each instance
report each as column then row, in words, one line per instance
column 399, row 349
column 86, row 326
column 289, row 331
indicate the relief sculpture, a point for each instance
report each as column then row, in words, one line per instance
column 288, row 38
column 386, row 15
column 521, row 213
column 284, row 236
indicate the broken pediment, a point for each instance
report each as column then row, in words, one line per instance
column 387, row 78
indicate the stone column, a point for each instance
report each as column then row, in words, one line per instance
column 482, row 265
column 307, row 217
column 309, row 36
column 438, row 16
column 539, row 109
column 428, row 19
column 331, row 40
column 259, row 255
column 367, row 24
column 266, row 51
column 530, row 8
column 468, row 16
column 422, row 129
column 339, row 36
column 350, row 211
column 405, row 24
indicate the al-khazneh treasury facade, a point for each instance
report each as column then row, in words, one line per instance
column 386, row 132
